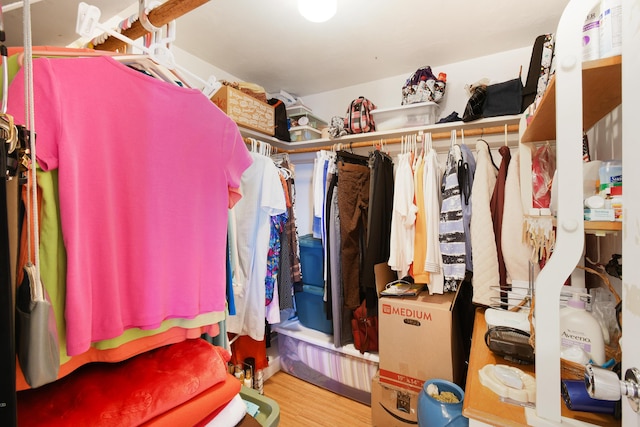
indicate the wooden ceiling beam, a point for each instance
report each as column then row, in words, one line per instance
column 159, row 17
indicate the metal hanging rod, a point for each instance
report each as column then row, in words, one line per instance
column 475, row 132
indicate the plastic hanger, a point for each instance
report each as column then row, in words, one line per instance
column 10, row 134
column 88, row 21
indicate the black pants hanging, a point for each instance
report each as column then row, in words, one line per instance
column 380, row 212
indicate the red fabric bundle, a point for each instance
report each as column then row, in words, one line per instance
column 128, row 393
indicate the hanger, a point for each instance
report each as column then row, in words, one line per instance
column 159, row 52
column 9, row 131
column 506, row 135
column 350, row 157
column 490, row 154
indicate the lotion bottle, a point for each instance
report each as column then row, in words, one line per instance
column 579, row 328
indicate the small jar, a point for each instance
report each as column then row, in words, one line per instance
column 248, row 381
column 258, row 381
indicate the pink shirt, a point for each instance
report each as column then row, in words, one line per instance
column 147, row 172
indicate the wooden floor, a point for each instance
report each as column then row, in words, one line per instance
column 304, row 404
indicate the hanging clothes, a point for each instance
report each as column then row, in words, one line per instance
column 340, row 314
column 433, row 260
column 515, row 251
column 353, row 202
column 403, row 218
column 452, row 247
column 466, row 172
column 188, row 132
column 320, row 165
column 290, row 252
column 332, row 182
column 331, row 172
column 486, row 276
column 420, row 273
column 379, row 215
column 497, row 212
column 273, row 255
column 262, row 198
column 272, row 300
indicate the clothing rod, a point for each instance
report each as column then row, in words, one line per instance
column 275, row 149
column 494, row 130
column 159, row 17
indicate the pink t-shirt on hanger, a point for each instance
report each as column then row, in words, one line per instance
column 147, row 172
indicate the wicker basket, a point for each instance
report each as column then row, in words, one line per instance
column 572, row 370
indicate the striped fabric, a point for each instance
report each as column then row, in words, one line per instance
column 452, row 236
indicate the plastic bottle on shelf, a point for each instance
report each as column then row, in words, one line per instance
column 591, row 35
column 610, row 28
column 579, row 328
column 611, row 178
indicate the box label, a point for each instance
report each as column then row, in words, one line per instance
column 400, row 380
column 411, row 313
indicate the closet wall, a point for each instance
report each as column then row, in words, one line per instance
column 386, row 93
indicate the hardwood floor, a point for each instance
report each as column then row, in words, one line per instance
column 303, row 404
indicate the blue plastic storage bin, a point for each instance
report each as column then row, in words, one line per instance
column 310, row 309
column 311, row 260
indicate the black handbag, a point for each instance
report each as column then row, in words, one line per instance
column 475, row 104
column 503, row 98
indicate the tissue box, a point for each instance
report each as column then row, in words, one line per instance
column 599, row 215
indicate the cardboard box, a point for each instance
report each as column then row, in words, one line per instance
column 392, row 406
column 245, row 110
column 419, row 339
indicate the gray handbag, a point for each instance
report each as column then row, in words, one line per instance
column 37, row 340
column 37, row 336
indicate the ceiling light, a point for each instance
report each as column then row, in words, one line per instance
column 317, row 10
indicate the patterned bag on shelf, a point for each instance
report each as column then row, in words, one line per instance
column 359, row 118
column 424, row 86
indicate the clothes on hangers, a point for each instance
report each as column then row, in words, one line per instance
column 466, row 173
column 262, row 198
column 403, row 220
column 420, row 273
column 86, row 157
column 497, row 212
column 483, row 241
column 451, row 237
column 379, row 229
column 289, row 256
column 348, row 157
column 515, row 251
column 432, row 191
column 353, row 204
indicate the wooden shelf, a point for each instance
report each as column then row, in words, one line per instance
column 484, row 405
column 597, row 226
column 601, row 93
column 442, row 131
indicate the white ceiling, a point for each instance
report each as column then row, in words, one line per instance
column 267, row 42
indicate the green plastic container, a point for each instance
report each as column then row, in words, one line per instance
column 269, row 415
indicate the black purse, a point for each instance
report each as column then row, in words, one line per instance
column 503, row 98
column 475, row 104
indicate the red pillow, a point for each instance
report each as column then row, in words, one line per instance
column 129, row 392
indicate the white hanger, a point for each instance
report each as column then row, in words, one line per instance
column 88, row 20
column 506, row 136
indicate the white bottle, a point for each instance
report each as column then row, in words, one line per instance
column 591, row 35
column 610, row 28
column 579, row 328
